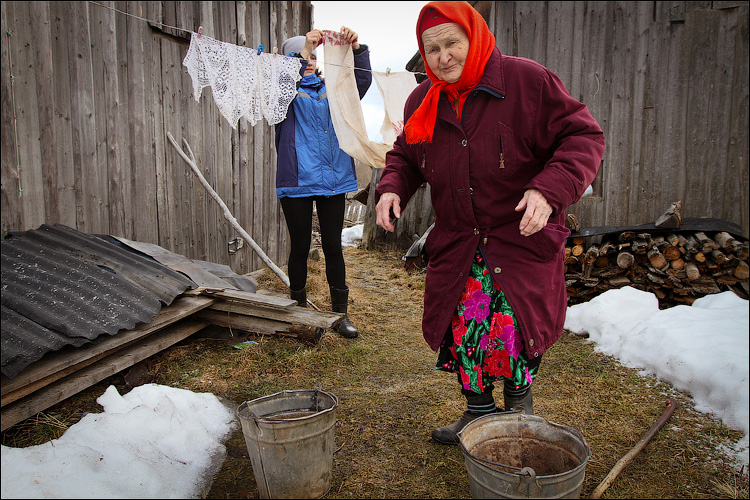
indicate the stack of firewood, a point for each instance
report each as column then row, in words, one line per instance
column 678, row 267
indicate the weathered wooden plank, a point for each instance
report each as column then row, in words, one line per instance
column 129, row 199
column 259, row 9
column 594, row 35
column 298, row 315
column 262, row 326
column 561, row 43
column 69, row 360
column 735, row 183
column 27, row 126
column 646, row 133
column 718, row 129
column 158, row 144
column 10, row 188
column 40, row 19
column 698, row 41
column 504, row 28
column 242, row 188
column 90, row 375
column 109, row 116
column 180, row 109
column 531, row 29
column 256, row 299
column 617, row 85
column 89, row 196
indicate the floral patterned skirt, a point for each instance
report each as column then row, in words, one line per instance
column 484, row 343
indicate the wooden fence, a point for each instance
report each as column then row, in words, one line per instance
column 668, row 83
column 89, row 92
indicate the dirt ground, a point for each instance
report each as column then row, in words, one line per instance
column 391, row 398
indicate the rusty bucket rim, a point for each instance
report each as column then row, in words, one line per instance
column 529, row 471
column 281, row 394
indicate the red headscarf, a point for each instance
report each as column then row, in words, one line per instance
column 421, row 124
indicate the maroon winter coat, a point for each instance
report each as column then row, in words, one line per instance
column 520, row 129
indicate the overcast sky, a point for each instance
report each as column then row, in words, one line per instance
column 387, row 28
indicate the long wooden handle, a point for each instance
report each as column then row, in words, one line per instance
column 624, row 461
column 227, row 214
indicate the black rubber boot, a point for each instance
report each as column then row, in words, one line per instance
column 519, row 399
column 340, row 304
column 300, row 296
column 449, row 433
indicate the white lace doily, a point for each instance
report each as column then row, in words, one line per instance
column 243, row 82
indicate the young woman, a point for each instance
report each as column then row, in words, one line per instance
column 312, row 168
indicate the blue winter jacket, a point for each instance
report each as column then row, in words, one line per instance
column 310, row 162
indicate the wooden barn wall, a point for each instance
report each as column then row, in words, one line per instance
column 88, row 97
column 668, row 83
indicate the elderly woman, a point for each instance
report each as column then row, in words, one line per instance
column 505, row 149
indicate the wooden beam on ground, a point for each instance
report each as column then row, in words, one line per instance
column 261, row 326
column 256, row 299
column 84, row 378
column 66, row 361
column 296, row 314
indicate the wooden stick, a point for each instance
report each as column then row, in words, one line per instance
column 226, row 211
column 624, row 461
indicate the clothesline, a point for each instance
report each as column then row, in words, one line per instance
column 190, row 31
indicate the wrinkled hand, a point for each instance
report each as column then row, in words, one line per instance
column 537, row 212
column 312, row 40
column 350, row 36
column 387, row 202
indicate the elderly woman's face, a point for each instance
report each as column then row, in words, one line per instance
column 445, row 48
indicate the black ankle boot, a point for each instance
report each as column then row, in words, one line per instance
column 299, row 295
column 340, row 304
column 449, row 433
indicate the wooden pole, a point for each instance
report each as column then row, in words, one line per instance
column 624, row 461
column 226, row 211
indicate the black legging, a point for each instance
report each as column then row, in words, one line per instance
column 298, row 215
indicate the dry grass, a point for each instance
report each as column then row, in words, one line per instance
column 390, row 399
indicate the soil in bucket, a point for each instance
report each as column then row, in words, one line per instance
column 513, row 455
column 526, row 451
column 290, row 440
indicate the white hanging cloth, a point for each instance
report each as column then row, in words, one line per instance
column 346, row 108
column 243, row 83
column 395, row 89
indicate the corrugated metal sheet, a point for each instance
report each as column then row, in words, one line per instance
column 63, row 287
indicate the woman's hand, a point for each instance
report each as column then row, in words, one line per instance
column 350, row 36
column 388, row 202
column 537, row 212
column 312, row 40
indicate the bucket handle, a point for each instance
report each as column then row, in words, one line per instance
column 527, row 484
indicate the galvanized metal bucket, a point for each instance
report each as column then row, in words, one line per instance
column 513, row 455
column 290, row 439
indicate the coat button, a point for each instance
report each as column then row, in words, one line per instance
column 497, row 270
column 536, row 354
column 531, row 342
column 484, row 241
column 476, row 231
column 464, row 143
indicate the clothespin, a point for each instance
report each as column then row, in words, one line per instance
column 275, row 51
column 260, row 48
column 200, row 31
column 387, row 71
